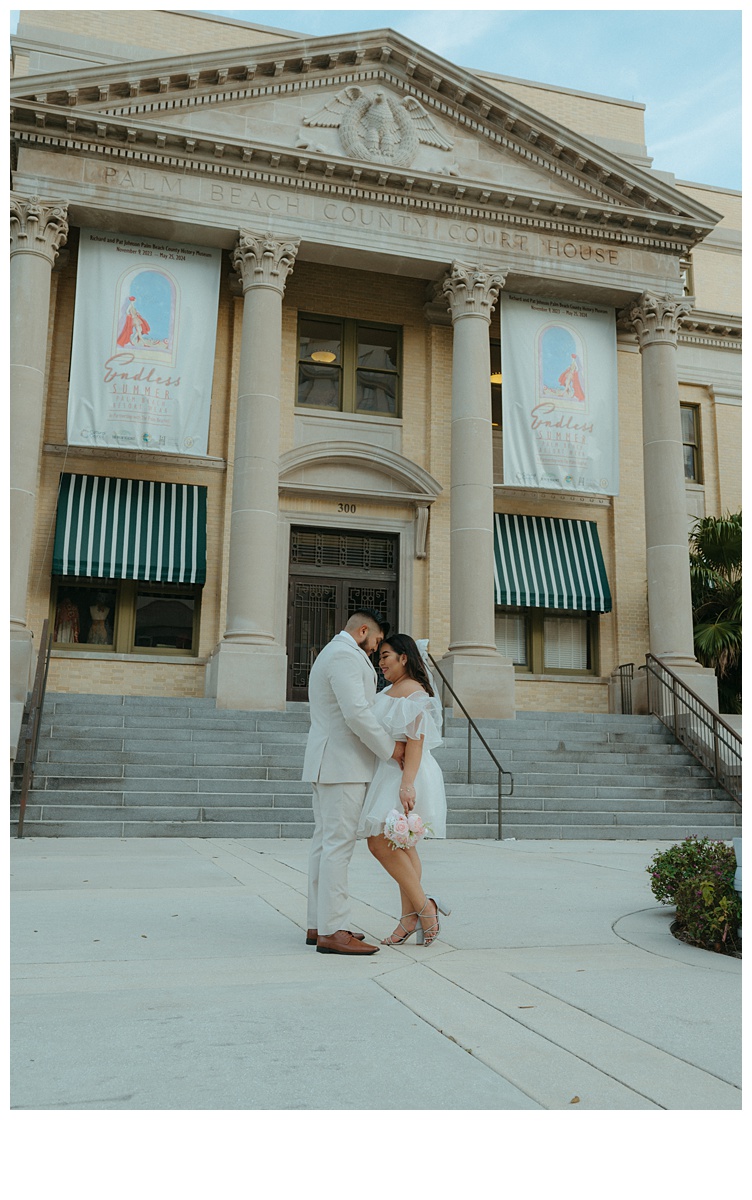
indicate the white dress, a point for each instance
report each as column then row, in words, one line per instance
column 407, row 717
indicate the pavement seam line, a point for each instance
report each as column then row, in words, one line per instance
column 565, row 1049
column 479, row 1058
column 700, row 966
column 593, row 1017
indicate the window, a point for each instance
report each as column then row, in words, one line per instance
column 690, row 422
column 565, row 644
column 686, row 273
column 125, row 616
column 511, row 637
column 546, row 643
column 495, row 383
column 349, row 366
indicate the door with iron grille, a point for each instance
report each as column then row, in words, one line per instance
column 332, row 575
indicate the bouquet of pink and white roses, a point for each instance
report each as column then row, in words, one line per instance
column 402, row 831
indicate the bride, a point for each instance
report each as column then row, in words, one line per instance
column 410, row 712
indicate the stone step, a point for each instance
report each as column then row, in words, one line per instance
column 189, row 759
column 248, row 754
column 292, row 792
column 519, row 829
column 147, row 766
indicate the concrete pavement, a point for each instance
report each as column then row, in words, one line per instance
column 172, row 974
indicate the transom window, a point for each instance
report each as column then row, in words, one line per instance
column 347, row 365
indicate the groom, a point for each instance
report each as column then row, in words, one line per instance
column 343, row 743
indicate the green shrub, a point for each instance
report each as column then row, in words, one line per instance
column 692, row 859
column 709, row 913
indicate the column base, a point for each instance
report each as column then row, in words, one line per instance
column 483, row 683
column 700, row 679
column 248, row 676
column 22, row 666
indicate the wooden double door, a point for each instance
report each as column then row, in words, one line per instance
column 332, row 575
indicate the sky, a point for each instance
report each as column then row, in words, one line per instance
column 683, row 63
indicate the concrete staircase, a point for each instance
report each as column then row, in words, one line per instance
column 139, row 766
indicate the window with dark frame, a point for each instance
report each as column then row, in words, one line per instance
column 348, row 365
column 496, row 422
column 125, row 616
column 690, row 423
column 686, row 272
column 543, row 642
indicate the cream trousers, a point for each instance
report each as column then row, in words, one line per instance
column 336, row 813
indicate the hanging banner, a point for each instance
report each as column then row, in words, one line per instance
column 143, row 344
column 559, row 395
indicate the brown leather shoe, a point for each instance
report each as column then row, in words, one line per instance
column 343, row 942
column 313, row 934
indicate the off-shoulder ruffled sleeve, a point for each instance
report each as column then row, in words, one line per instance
column 413, row 717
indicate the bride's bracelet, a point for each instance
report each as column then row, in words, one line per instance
column 406, row 787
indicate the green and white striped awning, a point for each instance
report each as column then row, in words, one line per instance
column 130, row 529
column 547, row 562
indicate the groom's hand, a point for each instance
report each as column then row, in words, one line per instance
column 398, row 754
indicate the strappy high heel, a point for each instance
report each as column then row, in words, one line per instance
column 408, row 933
column 430, row 934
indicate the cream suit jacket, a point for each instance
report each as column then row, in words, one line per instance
column 345, row 738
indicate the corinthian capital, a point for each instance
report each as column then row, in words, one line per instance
column 657, row 319
column 36, row 227
column 472, row 291
column 262, row 260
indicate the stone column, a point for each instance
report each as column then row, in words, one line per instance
column 249, row 669
column 656, row 321
column 37, row 231
column 483, row 680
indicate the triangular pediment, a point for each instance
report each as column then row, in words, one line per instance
column 370, row 109
column 376, row 124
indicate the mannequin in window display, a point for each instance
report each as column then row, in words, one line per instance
column 99, row 633
column 67, row 622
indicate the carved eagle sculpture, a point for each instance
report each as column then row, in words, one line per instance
column 374, row 127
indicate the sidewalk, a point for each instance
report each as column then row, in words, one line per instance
column 173, row 974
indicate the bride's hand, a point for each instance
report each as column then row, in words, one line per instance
column 407, row 796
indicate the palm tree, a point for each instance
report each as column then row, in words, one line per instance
column 715, row 563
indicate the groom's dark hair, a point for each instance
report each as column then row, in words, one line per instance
column 361, row 615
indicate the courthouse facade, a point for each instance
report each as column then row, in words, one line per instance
column 356, row 212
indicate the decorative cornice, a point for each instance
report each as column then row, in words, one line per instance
column 37, row 227
column 421, row 192
column 613, row 192
column 716, row 330
column 504, row 492
column 656, row 319
column 472, row 291
column 163, row 458
column 263, row 260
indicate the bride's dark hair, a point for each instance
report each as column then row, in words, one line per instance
column 402, row 643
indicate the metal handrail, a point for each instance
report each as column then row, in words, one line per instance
column 625, row 675
column 470, row 727
column 710, row 739
column 33, row 721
